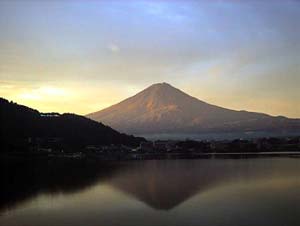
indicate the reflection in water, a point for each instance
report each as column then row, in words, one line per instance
column 166, row 184
column 162, row 192
column 25, row 179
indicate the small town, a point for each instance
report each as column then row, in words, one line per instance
column 161, row 149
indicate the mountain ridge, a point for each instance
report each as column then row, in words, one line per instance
column 162, row 108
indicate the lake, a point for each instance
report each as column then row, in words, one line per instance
column 254, row 191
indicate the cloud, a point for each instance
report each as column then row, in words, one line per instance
column 113, row 48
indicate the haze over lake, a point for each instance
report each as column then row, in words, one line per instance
column 262, row 191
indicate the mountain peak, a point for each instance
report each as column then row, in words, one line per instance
column 160, row 86
column 162, row 91
column 161, row 96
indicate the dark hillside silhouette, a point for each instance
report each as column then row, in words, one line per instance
column 20, row 124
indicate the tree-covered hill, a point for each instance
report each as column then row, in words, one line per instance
column 19, row 122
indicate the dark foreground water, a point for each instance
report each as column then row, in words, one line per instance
column 160, row 192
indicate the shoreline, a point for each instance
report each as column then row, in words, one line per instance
column 147, row 156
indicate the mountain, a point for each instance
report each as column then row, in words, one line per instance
column 20, row 123
column 161, row 108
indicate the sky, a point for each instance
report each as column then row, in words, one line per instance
column 82, row 56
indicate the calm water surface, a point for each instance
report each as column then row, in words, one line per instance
column 159, row 192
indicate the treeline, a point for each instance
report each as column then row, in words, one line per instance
column 20, row 126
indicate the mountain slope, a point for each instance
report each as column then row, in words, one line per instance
column 19, row 122
column 162, row 108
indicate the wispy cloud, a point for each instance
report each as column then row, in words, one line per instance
column 114, row 48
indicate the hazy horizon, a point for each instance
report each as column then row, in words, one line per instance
column 83, row 56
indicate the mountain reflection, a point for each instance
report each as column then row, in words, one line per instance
column 165, row 184
column 160, row 184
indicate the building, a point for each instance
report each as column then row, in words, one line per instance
column 146, row 146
